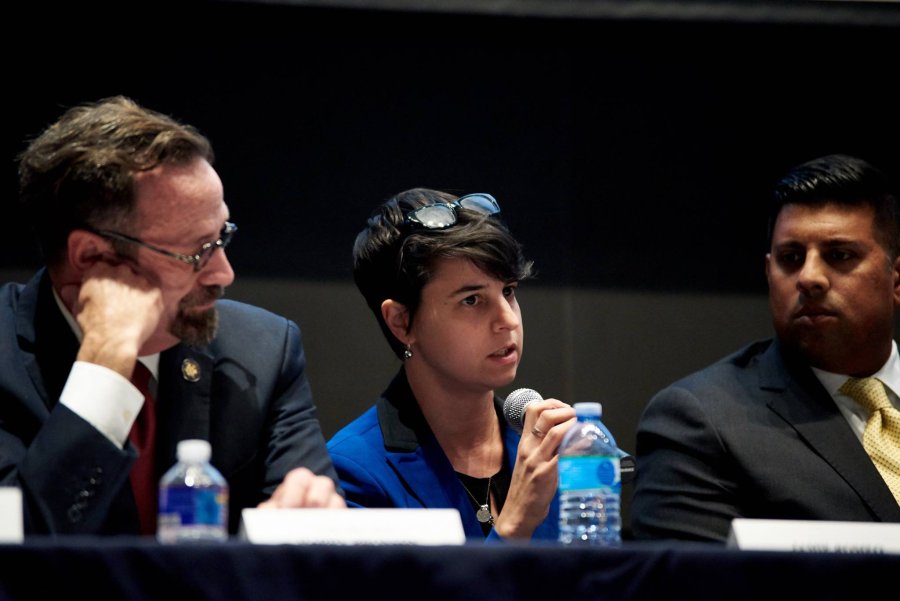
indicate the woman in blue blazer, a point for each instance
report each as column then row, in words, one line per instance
column 440, row 274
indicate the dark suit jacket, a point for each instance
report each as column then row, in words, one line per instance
column 252, row 402
column 755, row 436
column 388, row 457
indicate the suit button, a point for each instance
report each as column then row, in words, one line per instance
column 75, row 515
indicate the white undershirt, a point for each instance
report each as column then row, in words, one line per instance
column 103, row 397
column 855, row 414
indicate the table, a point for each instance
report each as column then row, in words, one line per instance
column 137, row 569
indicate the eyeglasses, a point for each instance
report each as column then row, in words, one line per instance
column 443, row 214
column 198, row 260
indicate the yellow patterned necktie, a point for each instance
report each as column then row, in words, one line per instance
column 881, row 438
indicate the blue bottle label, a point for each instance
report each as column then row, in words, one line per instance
column 201, row 506
column 583, row 472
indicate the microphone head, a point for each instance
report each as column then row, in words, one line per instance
column 515, row 404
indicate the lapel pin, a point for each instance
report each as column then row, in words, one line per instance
column 190, row 370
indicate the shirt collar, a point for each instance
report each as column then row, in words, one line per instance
column 889, row 374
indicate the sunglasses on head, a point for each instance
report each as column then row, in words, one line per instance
column 441, row 215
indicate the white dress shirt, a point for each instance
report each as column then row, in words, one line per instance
column 101, row 396
column 855, row 414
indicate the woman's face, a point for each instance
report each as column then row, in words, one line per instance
column 467, row 332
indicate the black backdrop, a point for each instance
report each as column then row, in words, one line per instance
column 631, row 153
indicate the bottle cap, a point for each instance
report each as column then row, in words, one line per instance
column 590, row 409
column 194, row 451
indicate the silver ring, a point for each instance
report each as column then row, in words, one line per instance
column 537, row 432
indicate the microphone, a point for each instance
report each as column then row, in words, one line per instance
column 514, row 411
column 515, row 404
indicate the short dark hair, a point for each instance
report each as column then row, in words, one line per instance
column 395, row 260
column 80, row 170
column 845, row 180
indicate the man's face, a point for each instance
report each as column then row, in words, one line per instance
column 833, row 288
column 179, row 208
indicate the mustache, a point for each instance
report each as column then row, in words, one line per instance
column 203, row 296
column 214, row 292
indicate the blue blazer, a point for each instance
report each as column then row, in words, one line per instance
column 757, row 436
column 388, row 457
column 252, row 401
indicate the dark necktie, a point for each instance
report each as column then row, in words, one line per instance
column 143, row 437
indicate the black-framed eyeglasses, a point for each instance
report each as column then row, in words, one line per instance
column 198, row 260
column 443, row 214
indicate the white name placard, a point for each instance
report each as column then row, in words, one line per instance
column 11, row 515
column 814, row 535
column 352, row 526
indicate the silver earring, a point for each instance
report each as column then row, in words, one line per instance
column 407, row 353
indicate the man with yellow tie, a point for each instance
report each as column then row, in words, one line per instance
column 805, row 425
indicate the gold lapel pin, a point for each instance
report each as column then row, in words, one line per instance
column 190, row 370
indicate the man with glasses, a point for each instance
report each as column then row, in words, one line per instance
column 120, row 347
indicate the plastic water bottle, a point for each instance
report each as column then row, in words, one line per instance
column 590, row 483
column 193, row 498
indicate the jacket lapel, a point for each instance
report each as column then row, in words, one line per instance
column 797, row 396
column 48, row 345
column 429, row 477
column 183, row 399
column 416, row 457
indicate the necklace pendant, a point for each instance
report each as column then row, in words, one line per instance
column 484, row 514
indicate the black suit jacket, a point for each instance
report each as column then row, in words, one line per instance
column 756, row 436
column 252, row 401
